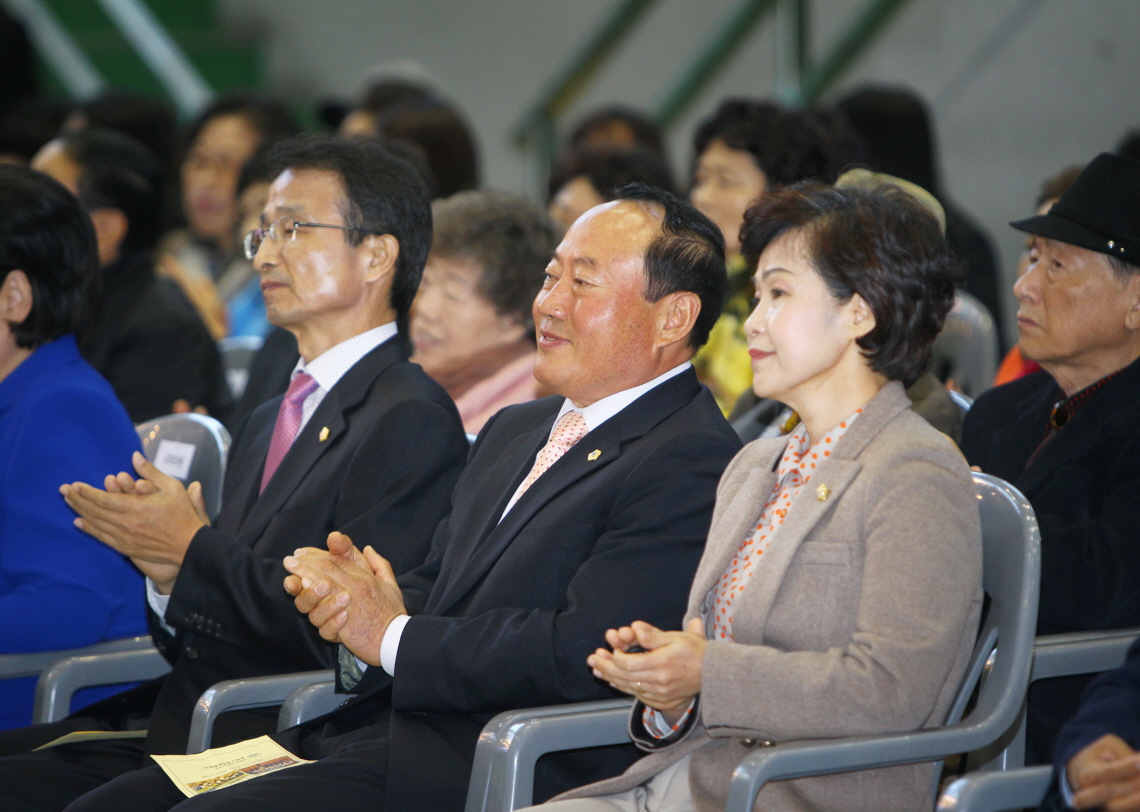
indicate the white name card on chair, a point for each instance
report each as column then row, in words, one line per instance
column 174, row 458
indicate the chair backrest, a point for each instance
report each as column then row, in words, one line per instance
column 237, row 354
column 1011, row 571
column 967, row 348
column 963, row 402
column 189, row 447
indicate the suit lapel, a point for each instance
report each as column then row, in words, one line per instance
column 308, row 447
column 629, row 424
column 1012, row 444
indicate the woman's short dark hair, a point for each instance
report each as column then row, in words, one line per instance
column 787, row 145
column 509, row 237
column 880, row 243
column 688, row 255
column 384, row 195
column 440, row 130
column 45, row 234
column 610, row 169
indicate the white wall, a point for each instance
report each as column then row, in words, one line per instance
column 1019, row 88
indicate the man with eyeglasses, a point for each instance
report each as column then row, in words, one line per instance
column 362, row 442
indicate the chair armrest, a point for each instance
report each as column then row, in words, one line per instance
column 798, row 759
column 243, row 694
column 58, row 684
column 502, row 776
column 32, row 663
column 309, row 702
column 997, row 791
column 1062, row 655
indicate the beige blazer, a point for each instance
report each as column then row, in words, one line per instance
column 859, row 620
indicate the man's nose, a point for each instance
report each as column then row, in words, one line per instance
column 551, row 302
column 1026, row 287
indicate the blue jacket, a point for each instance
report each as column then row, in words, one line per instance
column 59, row 588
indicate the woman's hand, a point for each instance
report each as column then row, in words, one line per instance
column 666, row 677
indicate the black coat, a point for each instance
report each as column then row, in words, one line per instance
column 505, row 613
column 383, row 474
column 1085, row 488
column 147, row 340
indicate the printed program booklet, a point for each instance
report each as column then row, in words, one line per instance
column 223, row 766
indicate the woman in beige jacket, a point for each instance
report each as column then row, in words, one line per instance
column 840, row 590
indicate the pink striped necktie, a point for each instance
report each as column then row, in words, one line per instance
column 288, row 421
column 569, row 429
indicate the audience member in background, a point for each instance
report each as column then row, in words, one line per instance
column 589, row 177
column 739, row 151
column 471, row 323
column 59, row 421
column 1014, row 366
column 27, row 127
column 852, row 286
column 928, row 397
column 899, row 137
column 143, row 336
column 149, row 121
column 574, row 512
column 1095, row 762
column 219, row 142
column 1069, row 436
column 363, row 442
column 239, row 284
column 378, row 96
column 619, row 127
column 438, row 128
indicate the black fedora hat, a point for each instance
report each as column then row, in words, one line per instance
column 1100, row 211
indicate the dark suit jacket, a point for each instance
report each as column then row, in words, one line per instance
column 505, row 613
column 394, row 449
column 145, row 337
column 1084, row 487
column 1110, row 705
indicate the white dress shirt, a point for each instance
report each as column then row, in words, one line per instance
column 327, row 369
column 595, row 415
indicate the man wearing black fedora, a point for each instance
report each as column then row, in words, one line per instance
column 1068, row 436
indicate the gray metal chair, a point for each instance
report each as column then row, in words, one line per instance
column 996, row 791
column 967, row 347
column 513, row 742
column 132, row 660
column 237, row 354
column 963, row 402
column 189, row 447
column 303, row 695
column 1068, row 655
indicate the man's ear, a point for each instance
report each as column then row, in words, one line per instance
column 16, row 297
column 381, row 253
column 679, row 311
column 1132, row 295
column 111, row 227
column 861, row 315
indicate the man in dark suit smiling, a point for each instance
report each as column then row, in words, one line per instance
column 363, row 442
column 575, row 513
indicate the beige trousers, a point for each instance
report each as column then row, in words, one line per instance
column 668, row 791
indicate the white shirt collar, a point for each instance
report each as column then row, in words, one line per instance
column 602, row 410
column 330, row 366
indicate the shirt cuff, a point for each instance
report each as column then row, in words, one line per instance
column 158, row 603
column 390, row 645
column 1066, row 791
column 658, row 727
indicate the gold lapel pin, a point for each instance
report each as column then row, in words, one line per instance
column 593, row 455
column 822, row 492
column 324, row 434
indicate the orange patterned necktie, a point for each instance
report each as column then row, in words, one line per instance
column 569, row 429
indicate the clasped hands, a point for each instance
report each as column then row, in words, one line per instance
column 349, row 595
column 1105, row 774
column 666, row 677
column 152, row 519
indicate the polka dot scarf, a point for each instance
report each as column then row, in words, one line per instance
column 793, row 474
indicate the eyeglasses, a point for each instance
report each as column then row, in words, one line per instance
column 283, row 229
